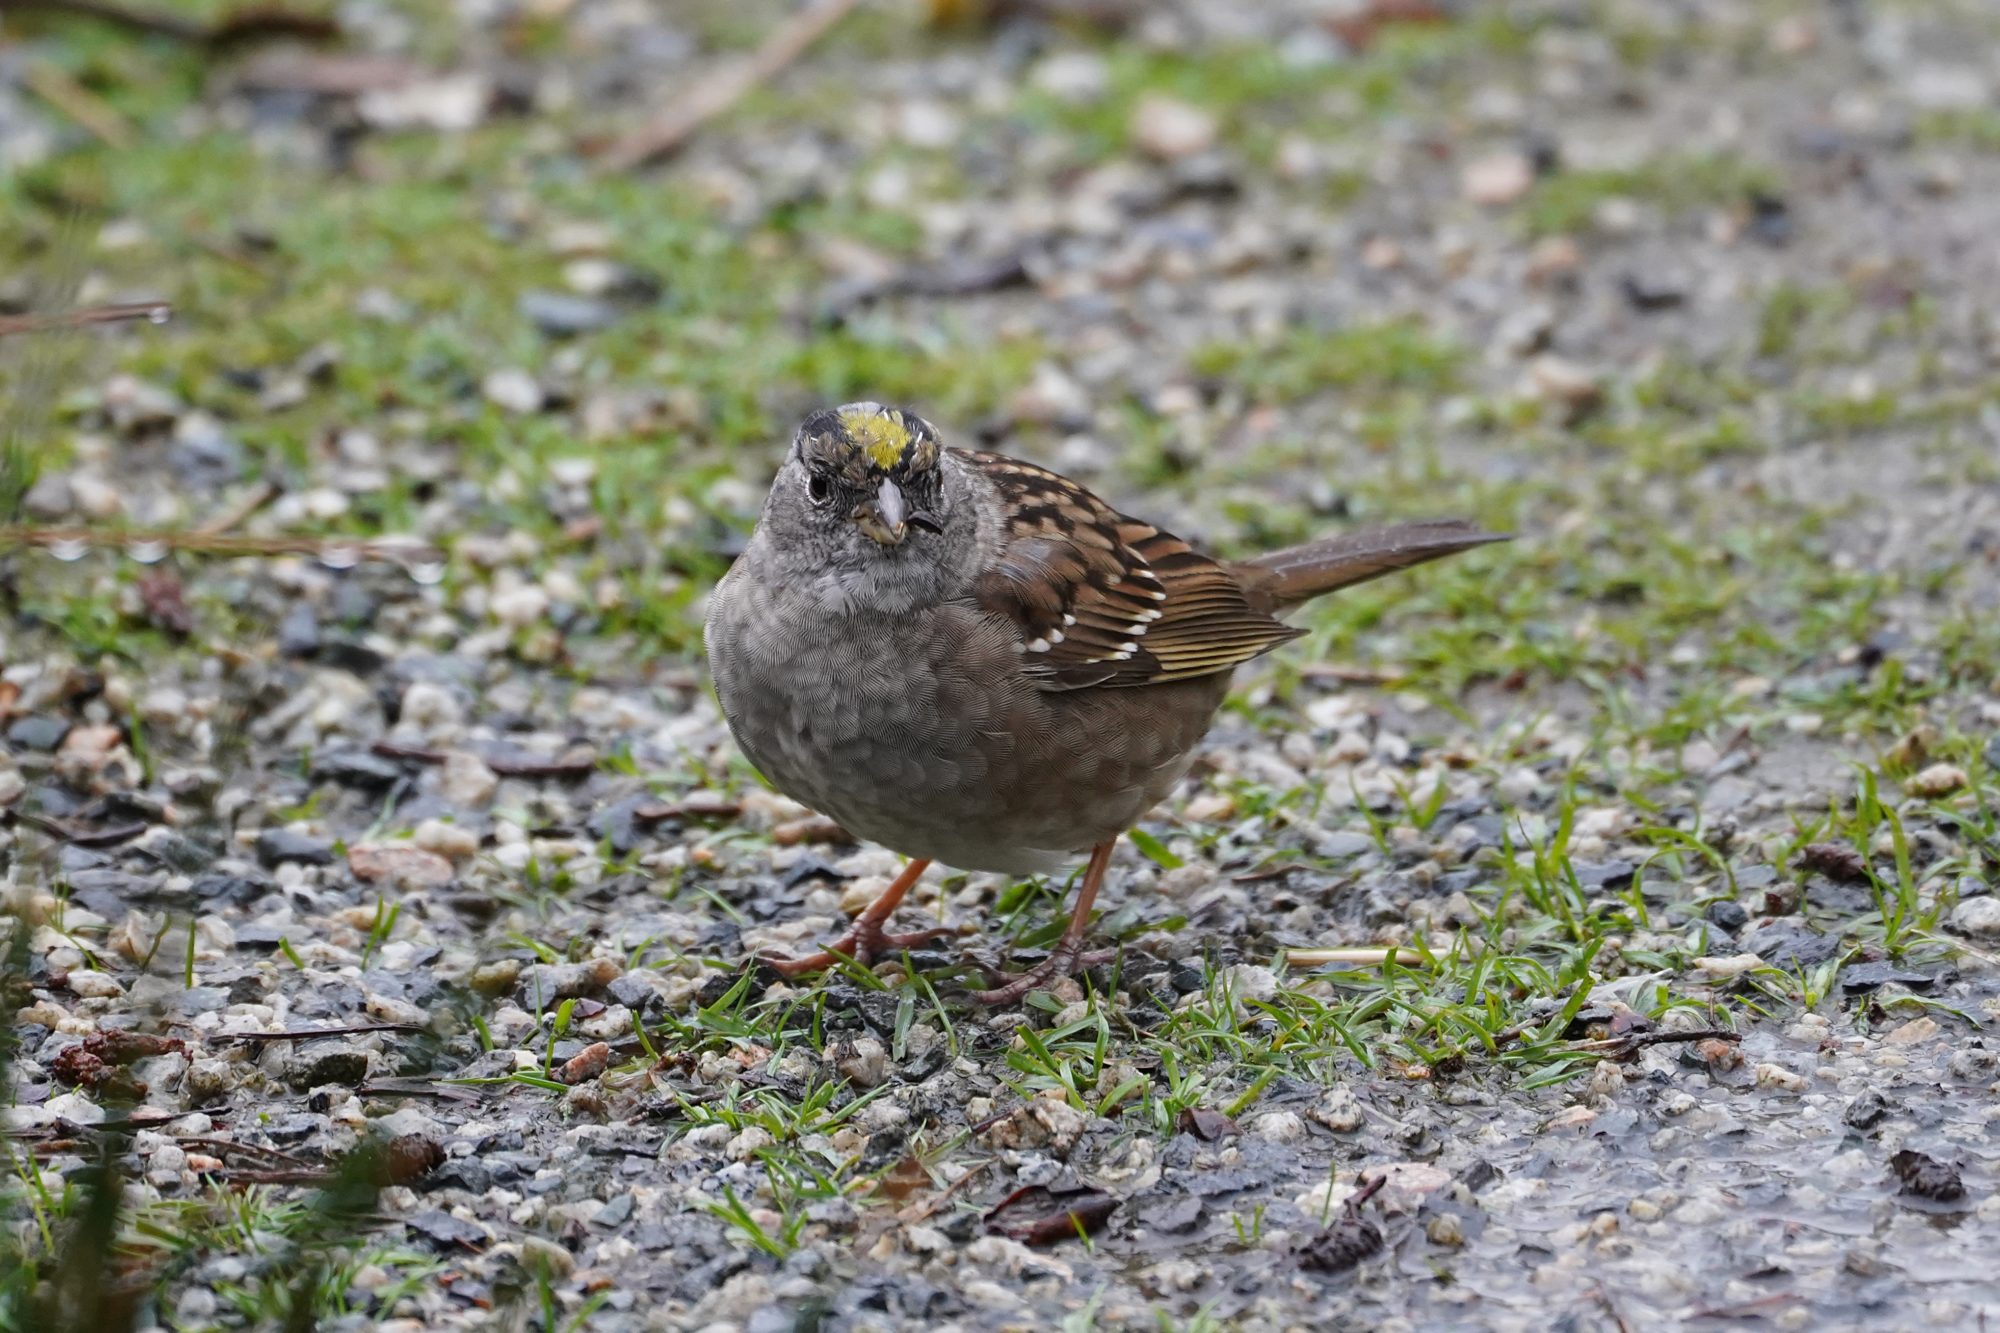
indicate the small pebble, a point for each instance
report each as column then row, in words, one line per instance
column 450, row 841
column 1977, row 916
column 1497, row 179
column 1778, row 1077
column 1169, row 129
column 1937, row 780
column 512, row 390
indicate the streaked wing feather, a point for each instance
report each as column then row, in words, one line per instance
column 1104, row 599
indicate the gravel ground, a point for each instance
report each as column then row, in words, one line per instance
column 380, row 908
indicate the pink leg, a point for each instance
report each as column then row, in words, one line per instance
column 1068, row 957
column 865, row 940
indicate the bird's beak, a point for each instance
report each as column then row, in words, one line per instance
column 884, row 519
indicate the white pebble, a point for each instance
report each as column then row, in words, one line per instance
column 513, row 390
column 95, row 985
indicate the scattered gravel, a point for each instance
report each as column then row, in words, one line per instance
column 477, row 825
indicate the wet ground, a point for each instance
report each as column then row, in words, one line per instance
column 1685, row 804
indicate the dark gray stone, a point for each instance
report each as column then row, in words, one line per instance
column 317, row 1065
column 1787, row 943
column 445, row 1232
column 463, row 1173
column 561, row 315
column 1727, row 914
column 38, row 732
column 356, row 768
column 298, row 632
column 276, row 846
column 1858, row 977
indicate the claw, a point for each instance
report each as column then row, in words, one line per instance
column 863, row 943
column 1068, row 959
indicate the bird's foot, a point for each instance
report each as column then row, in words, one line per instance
column 864, row 942
column 1068, row 959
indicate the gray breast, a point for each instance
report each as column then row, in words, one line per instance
column 919, row 732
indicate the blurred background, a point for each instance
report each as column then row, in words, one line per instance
column 545, row 284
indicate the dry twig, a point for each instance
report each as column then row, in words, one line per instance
column 1618, row 1048
column 396, row 550
column 674, row 124
column 156, row 312
column 314, row 1034
column 54, row 85
column 256, row 498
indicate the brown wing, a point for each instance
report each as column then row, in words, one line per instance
column 1103, row 599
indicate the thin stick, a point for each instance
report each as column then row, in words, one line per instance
column 674, row 124
column 101, row 837
column 226, row 1146
column 393, row 549
column 313, row 1034
column 298, row 1176
column 80, row 104
column 919, row 1209
column 156, row 312
column 260, row 495
column 1619, row 1047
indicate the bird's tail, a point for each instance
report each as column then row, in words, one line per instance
column 1285, row 578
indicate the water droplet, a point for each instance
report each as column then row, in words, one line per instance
column 147, row 552
column 339, row 556
column 426, row 572
column 68, row 548
column 160, row 314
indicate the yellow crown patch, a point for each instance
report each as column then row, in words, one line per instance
column 882, row 435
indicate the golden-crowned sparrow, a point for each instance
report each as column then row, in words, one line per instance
column 970, row 659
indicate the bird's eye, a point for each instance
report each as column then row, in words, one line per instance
column 819, row 487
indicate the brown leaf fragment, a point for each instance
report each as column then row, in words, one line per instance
column 1206, row 1124
column 79, row 1068
column 1082, row 1215
column 98, row 1062
column 415, row 754
column 122, row 1048
column 903, row 1180
column 1835, row 860
column 1108, row 16
column 1085, row 1217
column 166, row 605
